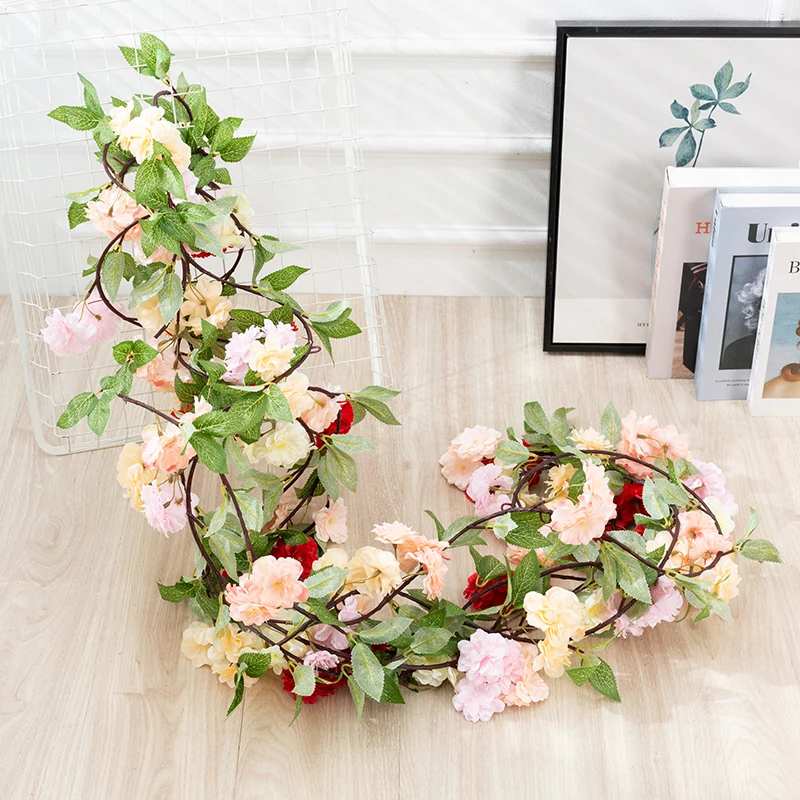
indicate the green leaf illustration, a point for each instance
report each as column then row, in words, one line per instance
column 686, row 149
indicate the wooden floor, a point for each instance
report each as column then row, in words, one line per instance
column 96, row 700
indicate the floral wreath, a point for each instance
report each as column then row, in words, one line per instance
column 605, row 532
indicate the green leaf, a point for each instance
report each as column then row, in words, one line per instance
column 284, row 278
column 155, row 54
column 608, row 580
column 170, row 296
column 630, row 574
column 526, row 578
column 702, row 91
column 333, row 312
column 654, row 504
column 734, row 90
column 686, row 149
column 723, row 78
column 441, row 533
column 76, row 214
column 325, row 473
column 147, row 288
column 210, row 452
column 245, row 318
column 325, row 581
column 176, row 592
column 603, row 680
column 205, row 239
column 79, row 407
column 536, row 419
column 386, row 631
column 99, row 415
column 91, row 99
column 277, row 406
column 256, row 664
column 376, row 408
column 752, row 523
column 679, row 111
column 427, row 641
column 237, row 149
column 222, row 548
column 704, row 124
column 760, row 550
column 222, row 175
column 391, row 688
column 341, row 329
column 579, row 675
column 221, row 208
column 357, row 693
column 611, row 424
column 367, row 670
column 511, row 452
column 349, row 443
column 112, row 271
column 304, row 680
column 670, row 493
column 148, row 180
column 238, row 694
column 670, row 136
column 342, row 468
column 77, row 117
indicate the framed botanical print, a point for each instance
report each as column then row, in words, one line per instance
column 630, row 100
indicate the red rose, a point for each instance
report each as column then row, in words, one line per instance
column 492, row 594
column 341, row 424
column 305, row 553
column 320, row 689
column 628, row 503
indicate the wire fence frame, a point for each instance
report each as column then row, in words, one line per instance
column 283, row 66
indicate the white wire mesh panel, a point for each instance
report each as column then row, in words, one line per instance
column 284, row 67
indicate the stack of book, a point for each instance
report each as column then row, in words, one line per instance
column 725, row 258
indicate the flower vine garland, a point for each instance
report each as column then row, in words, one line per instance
column 606, row 533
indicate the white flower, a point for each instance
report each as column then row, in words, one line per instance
column 282, row 447
column 138, row 134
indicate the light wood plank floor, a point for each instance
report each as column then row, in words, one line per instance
column 97, row 701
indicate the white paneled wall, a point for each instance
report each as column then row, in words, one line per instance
column 455, row 102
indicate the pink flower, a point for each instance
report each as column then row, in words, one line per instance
column 433, row 558
column 457, row 471
column 159, row 372
column 491, row 658
column 666, row 606
column 580, row 523
column 330, row 522
column 710, row 482
column 236, row 353
column 482, row 487
column 698, row 530
column 324, row 412
column 282, row 331
column 67, row 335
column 113, row 211
column 166, row 449
column 321, row 659
column 104, row 321
column 328, row 636
column 476, row 444
column 642, row 438
column 477, row 702
column 530, row 688
column 165, row 507
column 273, row 584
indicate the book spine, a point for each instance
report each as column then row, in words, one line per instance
column 652, row 368
column 754, row 389
column 713, row 249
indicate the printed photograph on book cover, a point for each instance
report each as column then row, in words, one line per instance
column 690, row 309
column 741, row 315
column 782, row 379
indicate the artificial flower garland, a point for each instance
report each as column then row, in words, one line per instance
column 606, row 532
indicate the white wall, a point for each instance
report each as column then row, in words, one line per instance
column 455, row 101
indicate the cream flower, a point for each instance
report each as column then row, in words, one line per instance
column 282, row 447
column 203, row 300
column 554, row 657
column 597, row 609
column 196, row 644
column 167, row 134
column 558, row 479
column 269, row 358
column 133, row 475
column 295, row 390
column 330, row 523
column 589, row 439
column 373, row 572
column 559, row 613
column 723, row 514
column 332, row 557
column 229, row 234
column 149, row 315
column 432, row 677
column 723, row 578
column 120, row 117
column 138, row 134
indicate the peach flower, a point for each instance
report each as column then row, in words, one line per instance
column 324, row 411
column 133, row 475
column 457, row 471
column 113, row 211
column 476, row 444
column 330, row 523
column 295, row 390
column 642, row 438
column 698, row 529
column 203, row 300
column 165, row 449
column 529, row 688
column 559, row 613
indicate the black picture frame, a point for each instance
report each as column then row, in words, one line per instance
column 570, row 30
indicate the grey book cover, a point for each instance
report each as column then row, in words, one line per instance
column 741, row 230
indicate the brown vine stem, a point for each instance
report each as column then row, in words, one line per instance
column 187, row 487
column 132, row 401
